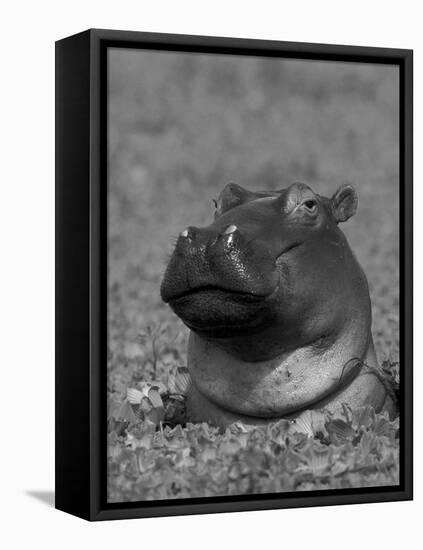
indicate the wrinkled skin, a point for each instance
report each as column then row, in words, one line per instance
column 278, row 308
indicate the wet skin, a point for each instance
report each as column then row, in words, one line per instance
column 278, row 307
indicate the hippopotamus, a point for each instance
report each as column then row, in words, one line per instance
column 278, row 308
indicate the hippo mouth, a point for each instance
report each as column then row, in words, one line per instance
column 221, row 312
column 218, row 290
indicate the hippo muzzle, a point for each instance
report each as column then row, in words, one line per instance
column 219, row 280
column 277, row 305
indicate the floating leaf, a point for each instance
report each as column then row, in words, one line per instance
column 146, row 405
column 155, row 415
column 155, row 399
column 159, row 386
column 366, row 443
column 340, row 428
column 234, row 472
column 126, row 412
column 230, row 446
column 117, row 426
column 134, row 396
column 363, row 417
column 310, row 423
column 209, row 453
column 179, row 381
column 114, row 451
column 319, row 459
column 183, row 380
column 113, row 406
column 240, row 428
column 302, row 424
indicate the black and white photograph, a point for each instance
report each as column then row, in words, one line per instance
column 253, row 275
column 211, row 233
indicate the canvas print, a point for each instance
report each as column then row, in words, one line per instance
column 253, row 275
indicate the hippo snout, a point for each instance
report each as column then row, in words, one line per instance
column 217, row 277
column 207, row 259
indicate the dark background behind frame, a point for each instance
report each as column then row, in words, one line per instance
column 88, row 463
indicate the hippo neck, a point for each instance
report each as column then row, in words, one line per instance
column 272, row 345
column 292, row 381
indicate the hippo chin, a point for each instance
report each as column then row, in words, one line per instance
column 278, row 308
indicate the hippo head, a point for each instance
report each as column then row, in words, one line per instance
column 271, row 273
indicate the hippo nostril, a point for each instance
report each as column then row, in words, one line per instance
column 189, row 234
column 230, row 229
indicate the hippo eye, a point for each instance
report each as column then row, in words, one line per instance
column 311, row 205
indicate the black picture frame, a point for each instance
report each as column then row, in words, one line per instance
column 81, row 254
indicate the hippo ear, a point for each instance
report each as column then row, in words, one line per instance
column 232, row 195
column 344, row 203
